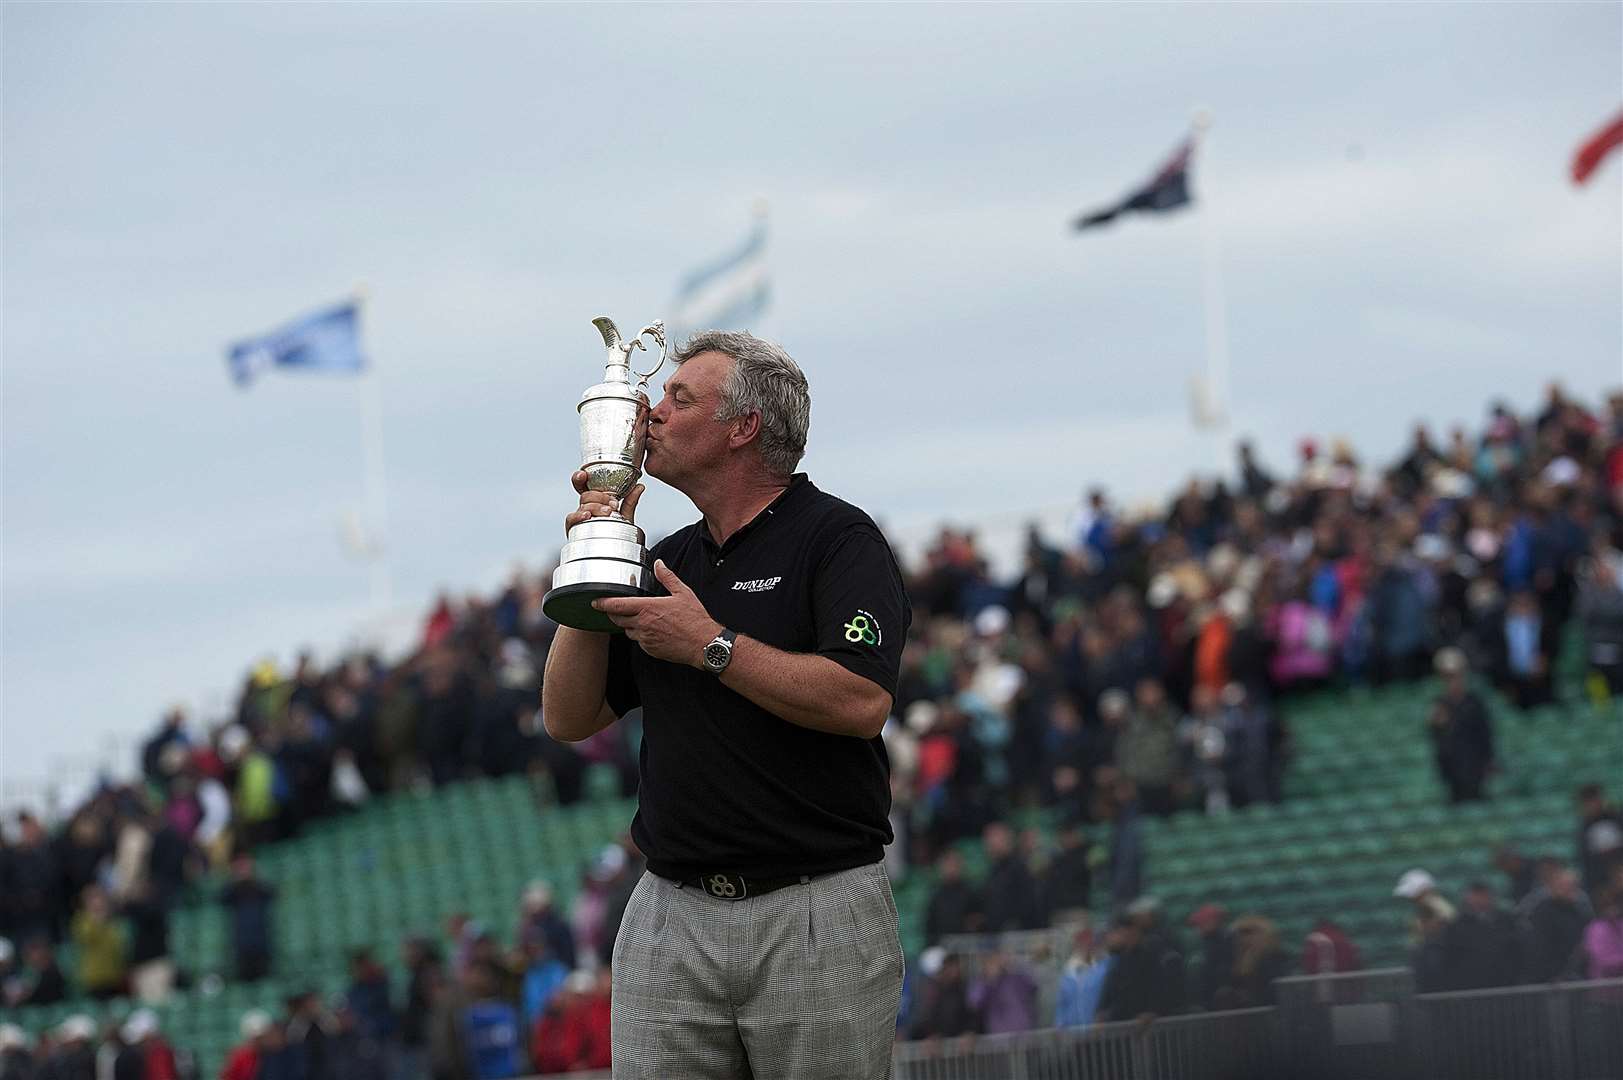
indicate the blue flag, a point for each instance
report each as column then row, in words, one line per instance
column 728, row 294
column 328, row 340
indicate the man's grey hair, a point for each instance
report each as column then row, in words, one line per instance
column 764, row 380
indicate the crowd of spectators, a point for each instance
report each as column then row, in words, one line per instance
column 1134, row 668
column 1546, row 922
column 464, row 1007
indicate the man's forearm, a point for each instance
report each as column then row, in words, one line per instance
column 808, row 690
column 572, row 689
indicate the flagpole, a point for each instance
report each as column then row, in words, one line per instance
column 377, row 506
column 1217, row 332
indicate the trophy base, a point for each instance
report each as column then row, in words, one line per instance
column 604, row 557
column 571, row 605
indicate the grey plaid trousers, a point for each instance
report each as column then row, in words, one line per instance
column 800, row 984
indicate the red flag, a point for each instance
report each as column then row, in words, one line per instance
column 1592, row 152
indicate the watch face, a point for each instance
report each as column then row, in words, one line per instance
column 716, row 655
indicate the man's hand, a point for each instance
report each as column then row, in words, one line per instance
column 599, row 503
column 674, row 627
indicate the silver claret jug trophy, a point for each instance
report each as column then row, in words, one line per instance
column 605, row 556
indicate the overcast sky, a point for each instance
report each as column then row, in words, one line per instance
column 1387, row 184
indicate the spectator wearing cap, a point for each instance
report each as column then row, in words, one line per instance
column 944, row 1010
column 540, row 918
column 588, row 918
column 244, row 1059
column 16, row 1059
column 158, row 1059
column 617, row 897
column 74, row 1057
column 1210, row 922
column 1327, row 950
column 1432, row 915
column 1600, row 836
column 1461, row 731
column 569, row 1036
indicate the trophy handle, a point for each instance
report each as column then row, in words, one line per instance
column 655, row 330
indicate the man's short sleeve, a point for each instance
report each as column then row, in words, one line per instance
column 860, row 606
column 620, row 684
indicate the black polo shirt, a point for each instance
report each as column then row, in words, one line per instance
column 728, row 787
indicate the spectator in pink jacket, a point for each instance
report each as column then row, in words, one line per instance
column 1603, row 937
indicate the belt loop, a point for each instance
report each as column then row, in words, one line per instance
column 804, row 878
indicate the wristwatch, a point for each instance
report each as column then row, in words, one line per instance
column 719, row 653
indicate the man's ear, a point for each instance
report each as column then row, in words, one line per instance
column 745, row 429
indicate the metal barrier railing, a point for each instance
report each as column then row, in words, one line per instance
column 1186, row 1047
column 1523, row 1032
column 1359, row 1026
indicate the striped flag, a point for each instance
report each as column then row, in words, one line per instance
column 327, row 340
column 729, row 293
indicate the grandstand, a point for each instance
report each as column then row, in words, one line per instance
column 1362, row 806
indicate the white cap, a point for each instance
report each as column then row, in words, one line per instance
column 921, row 716
column 1413, row 883
column 12, row 1037
column 1162, row 591
column 254, row 1023
column 233, row 741
column 1562, row 472
column 991, row 621
column 609, row 861
column 77, row 1026
column 931, row 959
column 580, row 982
column 538, row 895
column 142, row 1022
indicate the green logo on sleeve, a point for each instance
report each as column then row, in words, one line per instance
column 863, row 629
